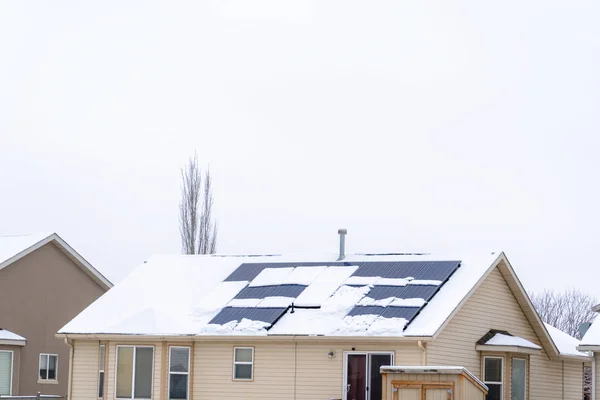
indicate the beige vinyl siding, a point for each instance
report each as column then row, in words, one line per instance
column 493, row 306
column 573, row 376
column 273, row 372
column 85, row 370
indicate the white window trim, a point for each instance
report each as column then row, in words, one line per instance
column 133, row 371
column 501, row 383
column 12, row 369
column 345, row 368
column 46, row 380
column 251, row 363
column 525, row 381
column 101, row 368
column 187, row 393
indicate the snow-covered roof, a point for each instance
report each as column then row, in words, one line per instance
column 591, row 339
column 503, row 339
column 15, row 247
column 197, row 295
column 8, row 337
column 566, row 344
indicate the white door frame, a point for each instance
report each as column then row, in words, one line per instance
column 367, row 369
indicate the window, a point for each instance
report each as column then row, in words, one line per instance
column 518, row 378
column 101, row 371
column 48, row 367
column 179, row 370
column 134, row 372
column 6, row 369
column 492, row 377
column 243, row 358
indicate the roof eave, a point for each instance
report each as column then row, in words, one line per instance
column 13, row 342
column 70, row 252
column 241, row 338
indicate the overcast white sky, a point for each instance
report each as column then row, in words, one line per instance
column 417, row 125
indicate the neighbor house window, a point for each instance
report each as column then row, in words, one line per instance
column 6, row 372
column 243, row 359
column 48, row 367
column 492, row 377
column 179, row 370
column 518, row 379
column 101, row 371
column 134, row 372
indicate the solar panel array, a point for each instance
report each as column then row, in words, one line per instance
column 425, row 279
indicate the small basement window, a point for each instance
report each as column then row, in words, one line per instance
column 243, row 360
column 48, row 367
column 492, row 377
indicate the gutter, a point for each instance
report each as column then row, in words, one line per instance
column 244, row 338
column 594, row 378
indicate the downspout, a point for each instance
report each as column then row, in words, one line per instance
column 295, row 365
column 71, row 355
column 563, row 379
column 424, row 354
column 593, row 376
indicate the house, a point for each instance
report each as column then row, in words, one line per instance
column 318, row 327
column 591, row 343
column 44, row 283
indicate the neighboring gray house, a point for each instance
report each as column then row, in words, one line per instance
column 44, row 283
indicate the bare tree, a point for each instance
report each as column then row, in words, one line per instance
column 197, row 229
column 564, row 310
column 567, row 311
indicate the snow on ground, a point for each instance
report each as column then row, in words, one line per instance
column 500, row 339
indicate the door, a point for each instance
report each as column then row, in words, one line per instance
column 376, row 361
column 363, row 379
column 356, row 377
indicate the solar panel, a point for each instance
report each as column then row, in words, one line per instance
column 268, row 315
column 229, row 314
column 373, row 269
column 417, row 292
column 407, row 313
column 246, row 272
column 256, row 292
column 366, row 310
column 384, row 292
column 437, row 270
column 288, row 290
column 405, row 269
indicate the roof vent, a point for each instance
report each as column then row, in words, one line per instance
column 342, row 233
